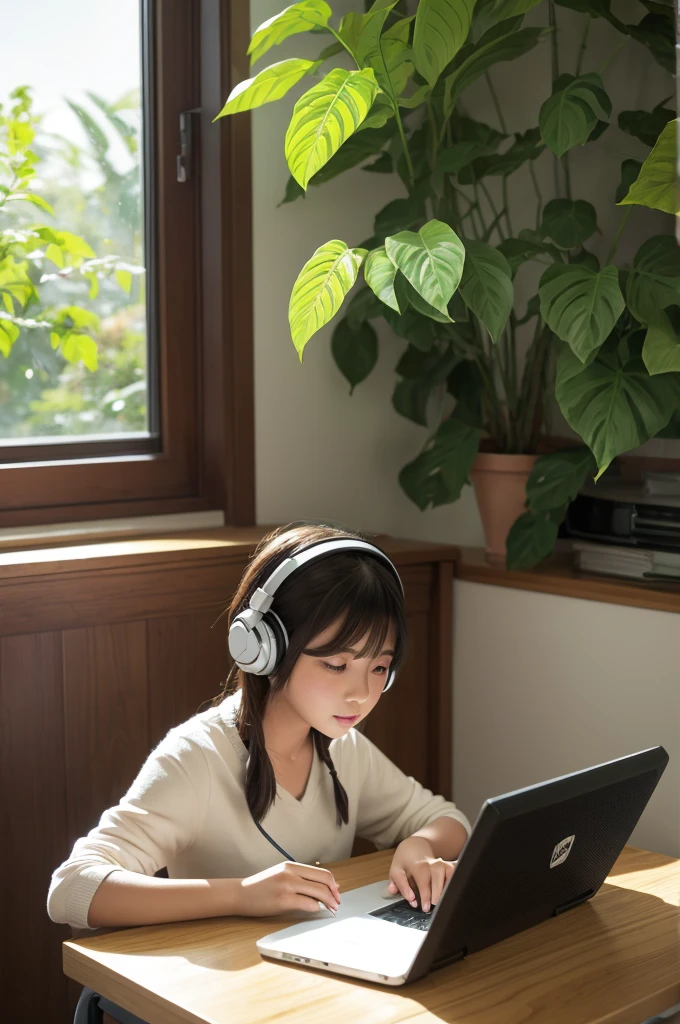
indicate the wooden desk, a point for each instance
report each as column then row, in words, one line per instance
column 615, row 960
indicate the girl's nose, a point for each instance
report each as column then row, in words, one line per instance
column 359, row 689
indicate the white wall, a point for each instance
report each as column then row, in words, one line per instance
column 546, row 685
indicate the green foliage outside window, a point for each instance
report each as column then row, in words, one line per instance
column 72, row 308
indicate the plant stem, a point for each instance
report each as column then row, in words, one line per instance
column 617, row 237
column 343, row 43
column 494, row 211
column 504, row 129
column 555, row 73
column 539, row 197
column 494, row 97
column 582, row 47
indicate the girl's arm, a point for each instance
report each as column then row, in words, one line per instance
column 125, row 898
column 446, row 836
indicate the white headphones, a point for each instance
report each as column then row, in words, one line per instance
column 257, row 638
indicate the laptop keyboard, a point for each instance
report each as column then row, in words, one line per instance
column 403, row 913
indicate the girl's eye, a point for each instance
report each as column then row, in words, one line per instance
column 333, row 668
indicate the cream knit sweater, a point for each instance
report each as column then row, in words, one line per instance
column 186, row 811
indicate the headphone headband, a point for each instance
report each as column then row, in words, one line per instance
column 253, row 641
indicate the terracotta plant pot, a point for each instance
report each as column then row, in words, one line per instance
column 499, row 482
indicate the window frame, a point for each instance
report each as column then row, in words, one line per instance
column 201, row 265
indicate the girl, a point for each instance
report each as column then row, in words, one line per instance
column 275, row 765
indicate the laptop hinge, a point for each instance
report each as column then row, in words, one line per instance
column 570, row 904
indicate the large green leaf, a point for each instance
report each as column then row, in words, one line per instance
column 380, row 272
column 486, row 286
column 438, row 474
column 569, row 223
column 421, row 371
column 655, row 186
column 645, row 125
column 580, row 305
column 557, row 478
column 657, row 33
column 490, row 12
column 531, row 538
column 368, row 41
column 507, row 47
column 324, row 117
column 408, row 296
column 661, row 350
column 654, row 279
column 527, row 146
column 568, row 117
column 518, row 250
column 452, row 159
column 613, row 403
column 300, row 17
column 320, row 289
column 386, row 52
column 354, row 151
column 442, row 27
column 270, row 84
column 431, row 259
column 363, row 306
column 355, row 351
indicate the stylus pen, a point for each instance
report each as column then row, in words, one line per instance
column 287, row 856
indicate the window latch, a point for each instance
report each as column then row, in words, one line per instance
column 184, row 157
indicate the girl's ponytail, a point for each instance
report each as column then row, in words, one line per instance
column 322, row 743
column 260, row 785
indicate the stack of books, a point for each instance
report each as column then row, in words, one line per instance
column 629, row 562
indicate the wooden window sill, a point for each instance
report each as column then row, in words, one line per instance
column 558, row 577
column 226, row 543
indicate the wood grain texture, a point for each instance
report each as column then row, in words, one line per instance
column 558, row 577
column 33, row 815
column 188, row 662
column 615, row 960
column 106, row 717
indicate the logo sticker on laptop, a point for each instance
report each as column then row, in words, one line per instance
column 562, row 851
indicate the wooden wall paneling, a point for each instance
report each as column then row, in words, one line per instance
column 34, row 839
column 399, row 724
column 88, row 598
column 440, row 690
column 106, row 717
column 187, row 661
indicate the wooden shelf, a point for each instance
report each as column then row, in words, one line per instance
column 558, row 577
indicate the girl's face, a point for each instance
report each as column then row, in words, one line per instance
column 333, row 693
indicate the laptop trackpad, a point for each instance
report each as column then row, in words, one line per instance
column 367, row 943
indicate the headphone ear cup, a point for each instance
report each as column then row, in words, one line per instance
column 279, row 641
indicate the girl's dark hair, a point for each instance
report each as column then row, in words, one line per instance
column 353, row 587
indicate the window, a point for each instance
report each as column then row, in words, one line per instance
column 116, row 394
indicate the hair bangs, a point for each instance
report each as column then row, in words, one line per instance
column 365, row 612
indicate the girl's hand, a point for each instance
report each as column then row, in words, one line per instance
column 284, row 887
column 414, row 862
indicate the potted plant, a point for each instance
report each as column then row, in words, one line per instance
column 441, row 265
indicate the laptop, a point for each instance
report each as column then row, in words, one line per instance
column 533, row 854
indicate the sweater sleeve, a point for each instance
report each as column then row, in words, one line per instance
column 393, row 805
column 156, row 819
